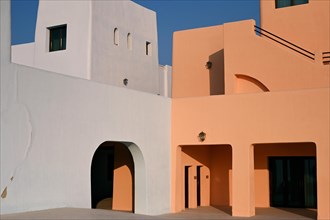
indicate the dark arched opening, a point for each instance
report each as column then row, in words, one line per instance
column 112, row 177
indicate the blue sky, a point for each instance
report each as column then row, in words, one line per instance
column 172, row 15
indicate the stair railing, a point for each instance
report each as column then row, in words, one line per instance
column 326, row 57
column 287, row 44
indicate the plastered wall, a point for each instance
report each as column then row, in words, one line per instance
column 52, row 124
column 277, row 67
column 91, row 52
column 192, row 49
column 248, row 119
column 299, row 24
column 112, row 63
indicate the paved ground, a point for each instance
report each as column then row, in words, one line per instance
column 199, row 213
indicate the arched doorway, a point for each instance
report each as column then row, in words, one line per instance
column 112, row 177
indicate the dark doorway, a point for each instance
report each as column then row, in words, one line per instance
column 199, row 185
column 112, row 177
column 186, row 186
column 292, row 182
column 102, row 174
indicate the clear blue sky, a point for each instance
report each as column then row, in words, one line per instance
column 172, row 15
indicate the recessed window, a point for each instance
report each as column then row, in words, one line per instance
column 116, row 36
column 287, row 3
column 129, row 41
column 57, row 38
column 148, row 48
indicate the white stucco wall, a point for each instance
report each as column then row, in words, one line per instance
column 165, row 80
column 23, row 54
column 52, row 124
column 112, row 63
column 75, row 60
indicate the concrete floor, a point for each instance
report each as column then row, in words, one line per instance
column 199, row 213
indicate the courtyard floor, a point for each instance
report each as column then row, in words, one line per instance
column 199, row 213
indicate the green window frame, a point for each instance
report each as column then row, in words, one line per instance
column 288, row 3
column 57, row 38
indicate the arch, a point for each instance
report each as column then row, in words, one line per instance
column 247, row 83
column 112, row 164
column 116, row 36
column 129, row 41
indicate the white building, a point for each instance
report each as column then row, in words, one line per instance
column 52, row 124
column 112, row 42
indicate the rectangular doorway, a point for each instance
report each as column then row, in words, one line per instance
column 186, row 186
column 199, row 185
column 292, row 182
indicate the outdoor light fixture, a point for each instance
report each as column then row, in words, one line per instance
column 125, row 81
column 202, row 136
column 208, row 65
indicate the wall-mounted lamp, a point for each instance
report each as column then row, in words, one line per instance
column 202, row 136
column 208, row 65
column 125, row 81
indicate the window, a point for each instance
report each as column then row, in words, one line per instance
column 116, row 37
column 148, row 48
column 57, row 38
column 129, row 41
column 287, row 3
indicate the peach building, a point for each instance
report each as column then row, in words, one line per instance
column 250, row 112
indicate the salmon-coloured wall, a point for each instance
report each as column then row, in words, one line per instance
column 261, row 172
column 242, row 120
column 123, row 180
column 305, row 25
column 275, row 66
column 221, row 168
column 191, row 50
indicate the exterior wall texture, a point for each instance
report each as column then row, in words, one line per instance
column 52, row 124
column 112, row 63
column 274, row 101
column 252, row 97
column 75, row 60
column 300, row 24
column 193, row 78
column 275, row 66
column 91, row 52
column 242, row 121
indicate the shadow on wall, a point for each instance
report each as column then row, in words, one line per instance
column 217, row 73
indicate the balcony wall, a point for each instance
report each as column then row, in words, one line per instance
column 277, row 67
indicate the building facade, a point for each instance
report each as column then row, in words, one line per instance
column 112, row 42
column 250, row 112
column 247, row 125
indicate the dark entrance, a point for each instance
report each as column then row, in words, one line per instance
column 199, row 185
column 102, row 174
column 292, row 182
column 186, row 186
